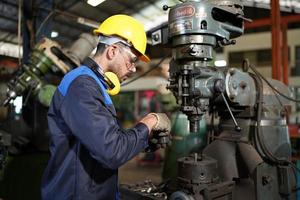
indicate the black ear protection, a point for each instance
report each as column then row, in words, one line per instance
column 111, row 80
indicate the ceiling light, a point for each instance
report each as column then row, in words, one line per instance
column 54, row 34
column 95, row 2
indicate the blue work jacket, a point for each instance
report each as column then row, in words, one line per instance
column 87, row 144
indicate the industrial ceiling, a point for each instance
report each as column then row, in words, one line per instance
column 72, row 17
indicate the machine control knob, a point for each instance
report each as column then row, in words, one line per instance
column 166, row 7
column 219, row 85
column 155, row 37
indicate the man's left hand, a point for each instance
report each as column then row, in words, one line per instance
column 163, row 123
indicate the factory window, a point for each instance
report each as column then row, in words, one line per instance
column 295, row 71
column 236, row 58
column 259, row 58
column 263, row 57
column 297, row 57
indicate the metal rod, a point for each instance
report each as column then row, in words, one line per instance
column 285, row 54
column 276, row 40
column 267, row 21
column 237, row 127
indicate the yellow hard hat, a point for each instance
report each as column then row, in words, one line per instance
column 128, row 29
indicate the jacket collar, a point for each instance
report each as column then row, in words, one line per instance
column 97, row 69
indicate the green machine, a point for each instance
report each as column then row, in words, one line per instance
column 46, row 57
column 24, row 141
column 184, row 142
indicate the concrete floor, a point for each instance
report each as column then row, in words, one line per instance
column 137, row 172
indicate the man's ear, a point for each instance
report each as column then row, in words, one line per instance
column 111, row 52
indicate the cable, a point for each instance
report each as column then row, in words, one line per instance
column 44, row 21
column 260, row 99
column 294, row 166
column 271, row 86
column 60, row 12
column 296, row 169
column 267, row 154
column 270, row 156
column 145, row 73
column 259, row 142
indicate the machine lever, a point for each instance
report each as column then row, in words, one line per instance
column 244, row 18
column 237, row 127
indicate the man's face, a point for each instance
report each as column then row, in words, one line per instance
column 125, row 62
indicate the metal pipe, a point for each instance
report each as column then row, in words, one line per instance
column 285, row 54
column 258, row 23
column 267, row 21
column 83, row 47
column 276, row 48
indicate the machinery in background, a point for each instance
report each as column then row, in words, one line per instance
column 250, row 154
column 5, row 142
column 24, row 137
column 34, row 81
column 47, row 57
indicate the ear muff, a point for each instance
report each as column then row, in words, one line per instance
column 113, row 83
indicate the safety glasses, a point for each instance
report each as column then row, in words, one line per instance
column 131, row 57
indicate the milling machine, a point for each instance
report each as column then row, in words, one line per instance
column 249, row 156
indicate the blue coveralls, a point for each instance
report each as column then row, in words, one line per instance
column 87, row 144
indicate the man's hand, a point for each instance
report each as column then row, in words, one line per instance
column 163, row 123
column 159, row 126
column 150, row 121
column 158, row 122
column 160, row 134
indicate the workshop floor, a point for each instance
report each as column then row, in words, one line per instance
column 136, row 171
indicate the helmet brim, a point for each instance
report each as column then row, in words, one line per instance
column 144, row 58
column 96, row 32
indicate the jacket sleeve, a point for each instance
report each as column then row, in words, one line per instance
column 96, row 128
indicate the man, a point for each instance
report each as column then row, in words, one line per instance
column 87, row 144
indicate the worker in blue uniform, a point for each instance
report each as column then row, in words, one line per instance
column 87, row 144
